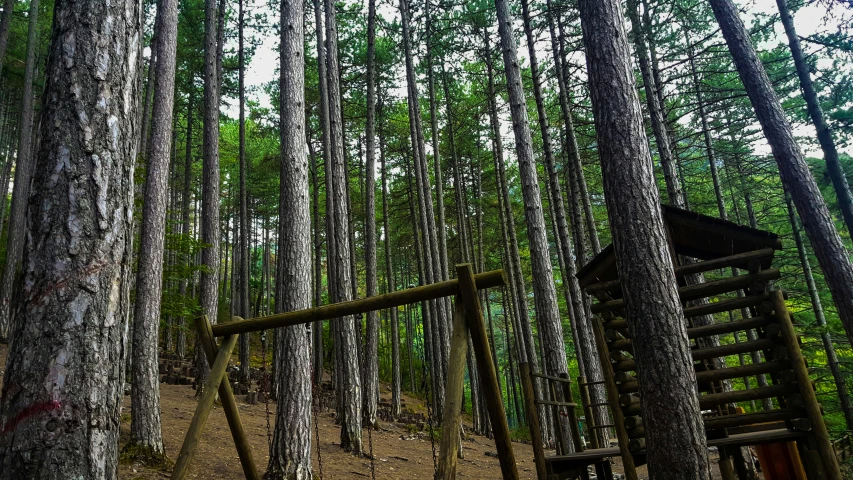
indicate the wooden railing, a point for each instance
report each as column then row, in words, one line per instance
column 843, row 447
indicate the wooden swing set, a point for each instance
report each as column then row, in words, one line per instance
column 467, row 319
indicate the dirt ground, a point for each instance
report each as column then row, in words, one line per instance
column 398, row 453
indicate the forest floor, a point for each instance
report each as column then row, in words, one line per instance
column 399, row 451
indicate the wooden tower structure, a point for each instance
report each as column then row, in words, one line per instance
column 753, row 382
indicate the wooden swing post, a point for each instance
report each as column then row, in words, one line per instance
column 486, row 370
column 450, row 427
column 469, row 316
column 202, row 411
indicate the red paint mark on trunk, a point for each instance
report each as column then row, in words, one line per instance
column 31, row 411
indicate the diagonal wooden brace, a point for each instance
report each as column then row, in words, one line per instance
column 229, row 403
column 202, row 411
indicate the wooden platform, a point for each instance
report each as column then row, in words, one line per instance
column 567, row 464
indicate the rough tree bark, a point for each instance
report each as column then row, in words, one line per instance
column 545, row 293
column 290, row 454
column 349, row 413
column 390, row 287
column 243, row 278
column 824, row 135
column 181, row 341
column 5, row 24
column 817, row 306
column 667, row 161
column 588, row 360
column 796, row 177
column 64, row 382
column 210, row 237
column 371, row 365
column 146, row 438
column 675, row 436
column 23, row 175
column 433, row 313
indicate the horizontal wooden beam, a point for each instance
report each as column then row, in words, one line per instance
column 733, row 349
column 723, row 328
column 714, row 399
column 628, row 364
column 739, row 420
column 719, row 374
column 742, row 371
column 701, row 290
column 492, row 279
column 550, row 377
column 740, row 260
column 557, row 404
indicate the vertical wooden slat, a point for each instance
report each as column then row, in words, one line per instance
column 486, row 369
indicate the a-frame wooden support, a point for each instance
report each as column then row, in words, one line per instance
column 465, row 287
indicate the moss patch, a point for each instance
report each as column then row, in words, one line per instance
column 135, row 454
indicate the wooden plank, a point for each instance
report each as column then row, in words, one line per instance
column 629, row 365
column 529, row 396
column 804, row 382
column 557, row 404
column 714, row 399
column 723, row 328
column 550, row 377
column 732, row 349
column 202, row 411
column 725, row 305
column 756, row 438
column 495, row 278
column 486, row 369
column 613, row 399
column 742, row 371
column 450, row 427
column 229, row 403
column 740, row 260
column 707, row 289
column 739, row 420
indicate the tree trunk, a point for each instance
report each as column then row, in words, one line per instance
column 390, row 287
column 795, row 174
column 580, row 194
column 675, row 436
column 817, row 306
column 145, row 434
column 290, row 454
column 371, row 366
column 667, row 161
column 545, row 293
column 244, row 279
column 435, row 314
column 316, row 327
column 210, row 236
column 588, row 361
column 349, row 412
column 5, row 24
column 21, row 190
column 64, row 381
column 824, row 135
column 181, row 341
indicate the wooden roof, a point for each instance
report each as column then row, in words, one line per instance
column 692, row 235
